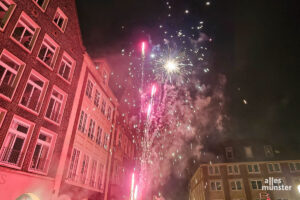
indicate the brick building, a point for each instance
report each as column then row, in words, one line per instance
column 241, row 171
column 41, row 55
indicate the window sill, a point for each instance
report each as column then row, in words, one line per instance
column 69, row 82
column 58, row 27
column 21, row 45
column 43, row 63
column 51, row 121
column 28, row 109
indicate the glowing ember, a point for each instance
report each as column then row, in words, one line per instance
column 171, row 66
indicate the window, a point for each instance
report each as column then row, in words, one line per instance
column 93, row 173
column 233, row 169
column 60, row 20
column 235, row 185
column 100, row 175
column 103, row 107
column 48, row 52
column 34, row 92
column 42, row 4
column 73, row 165
column 66, row 68
column 215, row 185
column 97, row 98
column 248, row 152
column 213, row 170
column 252, row 169
column 82, row 121
column 91, row 129
column 89, row 89
column 84, row 168
column 7, row 7
column 43, row 151
column 14, row 147
column 294, row 167
column 25, row 32
column 109, row 113
column 229, row 152
column 56, row 105
column 274, row 167
column 268, row 151
column 99, row 133
column 106, row 141
column 256, row 184
column 2, row 116
column 11, row 69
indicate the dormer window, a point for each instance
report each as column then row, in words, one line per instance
column 60, row 20
column 268, row 151
column 248, row 151
column 229, row 152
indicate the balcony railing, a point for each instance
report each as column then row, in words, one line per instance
column 11, row 156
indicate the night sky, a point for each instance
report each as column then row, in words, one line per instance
column 255, row 44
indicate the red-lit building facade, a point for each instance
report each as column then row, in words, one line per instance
column 41, row 55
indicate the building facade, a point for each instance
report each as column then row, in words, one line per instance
column 249, row 172
column 41, row 55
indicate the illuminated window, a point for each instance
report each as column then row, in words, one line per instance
column 93, row 173
column 274, row 167
column 100, row 175
column 103, row 106
column 216, row 185
column 43, row 151
column 11, row 69
column 91, row 129
column 25, row 32
column 48, row 52
column 256, row 184
column 233, row 169
column 13, row 149
column 60, row 20
column 235, row 185
column 56, row 105
column 84, row 168
column 248, row 152
column 229, row 152
column 106, row 141
column 73, row 164
column 99, row 135
column 253, row 168
column 42, row 4
column 89, row 89
column 109, row 113
column 7, row 7
column 97, row 98
column 213, row 170
column 66, row 68
column 82, row 121
column 34, row 92
column 2, row 116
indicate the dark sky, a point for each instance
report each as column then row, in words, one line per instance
column 256, row 45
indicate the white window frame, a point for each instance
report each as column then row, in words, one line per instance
column 89, row 88
column 63, row 103
column 97, row 98
column 64, row 17
column 9, row 11
column 12, row 134
column 82, row 121
column 233, row 170
column 229, row 150
column 84, row 168
column 256, row 180
column 99, row 135
column 51, row 147
column 235, row 184
column 2, row 115
column 273, row 166
column 67, row 61
column 109, row 113
column 23, row 19
column 73, row 166
column 215, row 183
column 248, row 152
column 214, row 167
column 294, row 166
column 252, row 166
column 34, row 86
column 51, row 46
column 18, row 73
column 91, row 131
column 103, row 106
column 106, row 141
column 92, row 182
column 100, row 178
column 44, row 6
